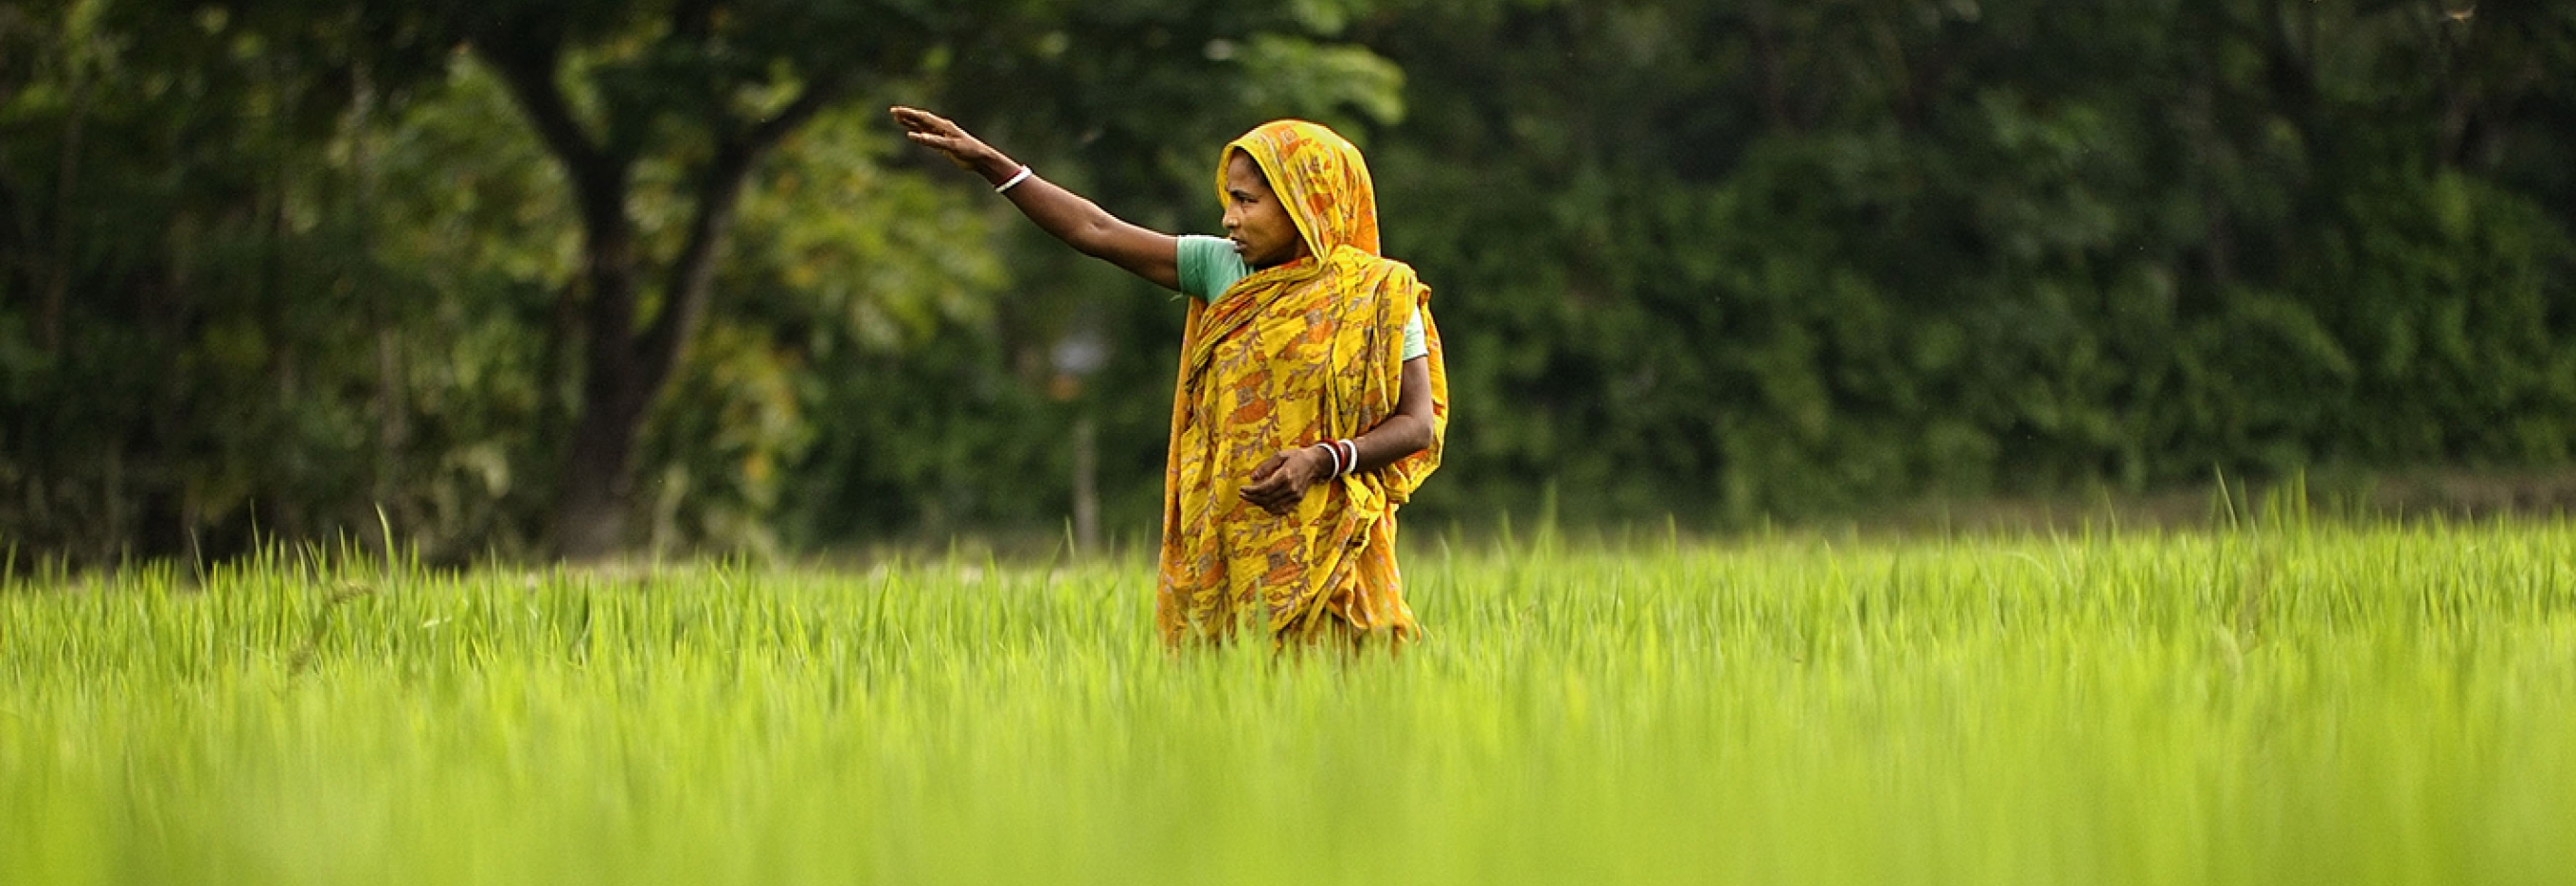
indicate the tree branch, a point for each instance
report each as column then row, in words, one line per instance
column 693, row 20
column 692, row 272
column 529, row 73
column 820, row 94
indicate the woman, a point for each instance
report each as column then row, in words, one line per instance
column 1311, row 401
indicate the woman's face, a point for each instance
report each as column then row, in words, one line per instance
column 1254, row 219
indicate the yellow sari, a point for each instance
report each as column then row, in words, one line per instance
column 1291, row 356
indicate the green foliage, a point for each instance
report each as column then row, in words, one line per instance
column 281, row 267
column 1781, row 259
column 181, row 292
column 1296, row 76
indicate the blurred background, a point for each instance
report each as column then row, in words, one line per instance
column 519, row 279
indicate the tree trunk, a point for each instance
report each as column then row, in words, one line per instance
column 1773, row 90
column 50, row 307
column 1086, row 484
column 599, row 472
column 390, row 410
column 623, row 371
column 599, row 476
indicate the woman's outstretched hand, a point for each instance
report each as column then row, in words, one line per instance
column 1282, row 480
column 940, row 134
column 1064, row 214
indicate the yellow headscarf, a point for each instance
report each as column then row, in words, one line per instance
column 1290, row 356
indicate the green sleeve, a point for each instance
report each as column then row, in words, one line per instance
column 1208, row 265
column 1414, row 345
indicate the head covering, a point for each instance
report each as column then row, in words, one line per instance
column 1319, row 178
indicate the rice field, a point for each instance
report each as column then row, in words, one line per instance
column 2271, row 703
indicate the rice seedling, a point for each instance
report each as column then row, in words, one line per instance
column 2295, row 700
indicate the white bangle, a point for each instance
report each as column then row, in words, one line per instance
column 1025, row 172
column 1351, row 465
column 1335, row 453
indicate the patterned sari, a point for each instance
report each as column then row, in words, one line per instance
column 1291, row 356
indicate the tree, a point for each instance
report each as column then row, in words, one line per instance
column 709, row 87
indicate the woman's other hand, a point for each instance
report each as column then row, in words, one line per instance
column 1282, row 480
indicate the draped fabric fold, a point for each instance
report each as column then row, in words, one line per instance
column 1291, row 356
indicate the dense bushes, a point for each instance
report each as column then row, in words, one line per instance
column 1720, row 263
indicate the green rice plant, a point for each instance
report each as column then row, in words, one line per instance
column 2284, row 700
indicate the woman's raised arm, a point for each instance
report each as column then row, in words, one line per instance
column 1080, row 223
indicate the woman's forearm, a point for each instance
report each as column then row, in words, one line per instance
column 1063, row 214
column 1067, row 216
column 1398, row 436
column 1408, row 430
column 1082, row 224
